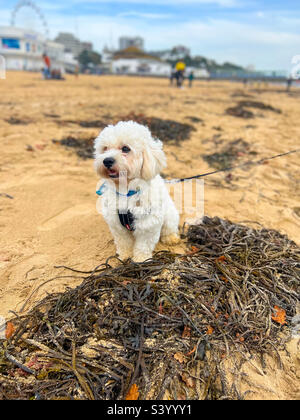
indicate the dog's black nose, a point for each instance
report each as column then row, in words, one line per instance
column 108, row 162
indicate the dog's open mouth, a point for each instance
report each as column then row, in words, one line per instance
column 112, row 173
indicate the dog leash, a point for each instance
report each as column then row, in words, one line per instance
column 231, row 168
column 127, row 219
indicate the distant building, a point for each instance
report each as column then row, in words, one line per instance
column 126, row 42
column 106, row 60
column 198, row 73
column 70, row 63
column 107, row 55
column 139, row 66
column 176, row 53
column 132, row 60
column 23, row 49
column 72, row 44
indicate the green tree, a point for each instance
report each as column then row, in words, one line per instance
column 87, row 58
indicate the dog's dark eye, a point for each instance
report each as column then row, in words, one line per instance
column 125, row 149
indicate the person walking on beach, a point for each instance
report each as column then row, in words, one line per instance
column 245, row 82
column 191, row 79
column 47, row 68
column 179, row 75
column 76, row 72
column 289, row 83
column 172, row 77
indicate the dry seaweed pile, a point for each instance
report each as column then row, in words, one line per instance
column 165, row 130
column 161, row 328
column 229, row 154
column 241, row 109
column 18, row 121
column 92, row 124
column 84, row 146
column 259, row 105
column 83, row 123
column 240, row 112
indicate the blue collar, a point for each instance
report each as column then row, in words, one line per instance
column 104, row 187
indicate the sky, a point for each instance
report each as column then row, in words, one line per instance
column 265, row 34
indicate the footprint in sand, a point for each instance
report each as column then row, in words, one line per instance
column 64, row 216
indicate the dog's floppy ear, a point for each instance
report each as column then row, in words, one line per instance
column 154, row 160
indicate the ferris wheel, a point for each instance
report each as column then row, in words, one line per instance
column 33, row 6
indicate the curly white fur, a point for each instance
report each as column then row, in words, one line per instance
column 155, row 215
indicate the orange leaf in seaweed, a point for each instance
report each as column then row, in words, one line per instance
column 189, row 381
column 133, row 393
column 210, row 330
column 279, row 316
column 10, row 329
column 179, row 357
column 192, row 351
column 186, row 332
column 193, row 250
column 125, row 282
column 222, row 258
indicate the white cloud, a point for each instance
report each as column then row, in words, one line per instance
column 145, row 15
column 260, row 15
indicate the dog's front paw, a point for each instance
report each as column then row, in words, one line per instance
column 124, row 255
column 172, row 239
column 141, row 257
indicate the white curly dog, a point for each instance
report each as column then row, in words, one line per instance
column 135, row 201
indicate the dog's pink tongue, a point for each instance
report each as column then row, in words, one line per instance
column 112, row 172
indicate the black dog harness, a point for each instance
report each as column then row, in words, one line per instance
column 127, row 220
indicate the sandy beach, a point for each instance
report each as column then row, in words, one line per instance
column 48, row 215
